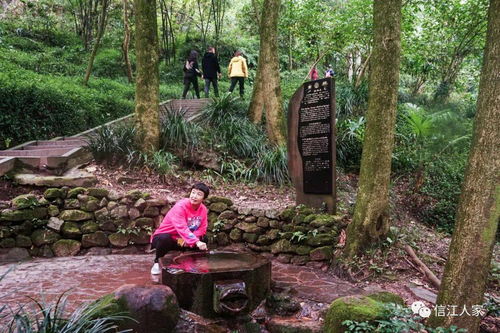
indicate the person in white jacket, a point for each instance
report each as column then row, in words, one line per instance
column 237, row 72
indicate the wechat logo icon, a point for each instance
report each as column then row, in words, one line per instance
column 419, row 308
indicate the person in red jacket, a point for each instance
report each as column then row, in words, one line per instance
column 184, row 225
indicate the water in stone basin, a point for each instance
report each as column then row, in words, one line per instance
column 213, row 262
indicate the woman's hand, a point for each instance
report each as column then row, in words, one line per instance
column 201, row 245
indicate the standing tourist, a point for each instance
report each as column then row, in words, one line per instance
column 211, row 70
column 191, row 73
column 238, row 71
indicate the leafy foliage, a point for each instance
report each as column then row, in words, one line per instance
column 396, row 319
column 113, row 144
column 53, row 318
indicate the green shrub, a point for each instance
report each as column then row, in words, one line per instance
column 114, row 144
column 443, row 180
column 55, row 318
column 109, row 63
column 396, row 319
column 272, row 166
column 40, row 107
column 176, row 133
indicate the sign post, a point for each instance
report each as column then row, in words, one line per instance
column 311, row 144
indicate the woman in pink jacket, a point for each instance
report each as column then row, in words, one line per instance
column 184, row 225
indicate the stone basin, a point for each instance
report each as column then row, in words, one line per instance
column 214, row 284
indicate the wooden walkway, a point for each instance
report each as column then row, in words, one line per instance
column 61, row 154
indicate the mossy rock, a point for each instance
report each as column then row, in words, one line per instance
column 250, row 237
column 321, row 253
column 71, row 230
column 287, row 235
column 282, row 246
column 66, row 247
column 136, row 195
column 73, row 193
column 5, row 232
column 235, row 235
column 287, row 228
column 25, row 228
column 142, row 238
column 54, row 193
column 42, row 237
column 97, row 238
column 249, row 227
column 71, row 203
column 23, row 241
column 222, row 239
column 102, row 214
column 53, row 210
column 144, row 222
column 321, row 240
column 152, row 309
column 119, row 239
column 151, row 211
column 322, row 220
column 89, row 227
column 282, row 304
column 263, row 222
column 217, row 207
column 75, row 215
column 91, row 205
column 24, row 201
column 227, row 215
column 23, row 214
column 273, row 234
column 303, row 250
column 288, row 214
column 387, row 297
column 264, row 240
column 355, row 308
column 275, row 224
column 97, row 192
column 215, row 199
column 7, row 243
column 300, row 228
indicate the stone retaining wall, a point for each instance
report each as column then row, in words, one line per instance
column 66, row 222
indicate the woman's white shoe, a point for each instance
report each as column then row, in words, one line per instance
column 155, row 269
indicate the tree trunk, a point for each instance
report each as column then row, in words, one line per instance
column 126, row 41
column 267, row 89
column 147, row 77
column 467, row 268
column 371, row 216
column 257, row 102
column 100, row 33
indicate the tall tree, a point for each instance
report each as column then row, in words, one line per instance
column 371, row 216
column 267, row 90
column 148, row 76
column 126, row 42
column 103, row 17
column 464, row 279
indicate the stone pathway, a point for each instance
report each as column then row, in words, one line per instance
column 87, row 278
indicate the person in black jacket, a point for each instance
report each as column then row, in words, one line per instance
column 191, row 73
column 211, row 70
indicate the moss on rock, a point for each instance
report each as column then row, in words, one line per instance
column 89, row 227
column 66, row 247
column 75, row 215
column 41, row 237
column 387, row 297
column 97, row 192
column 71, row 230
column 356, row 308
column 24, row 201
column 54, row 193
column 215, row 199
column 73, row 193
column 23, row 214
column 282, row 246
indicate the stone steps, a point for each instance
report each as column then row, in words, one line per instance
column 61, row 154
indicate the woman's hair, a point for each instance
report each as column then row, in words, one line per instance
column 193, row 55
column 202, row 187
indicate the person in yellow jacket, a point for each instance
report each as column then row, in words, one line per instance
column 238, row 71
